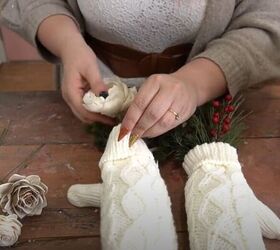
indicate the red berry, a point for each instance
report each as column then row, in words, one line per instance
column 216, row 104
column 215, row 120
column 229, row 108
column 227, row 120
column 225, row 128
column 216, row 114
column 213, row 132
column 228, row 98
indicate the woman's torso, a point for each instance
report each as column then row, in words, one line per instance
column 145, row 25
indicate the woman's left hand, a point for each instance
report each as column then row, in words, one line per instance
column 162, row 103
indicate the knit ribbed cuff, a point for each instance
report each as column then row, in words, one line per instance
column 217, row 152
column 116, row 150
column 119, row 150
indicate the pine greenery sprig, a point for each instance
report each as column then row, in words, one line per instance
column 100, row 134
column 215, row 121
column 197, row 130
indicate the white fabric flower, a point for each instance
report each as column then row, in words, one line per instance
column 23, row 196
column 118, row 100
column 10, row 229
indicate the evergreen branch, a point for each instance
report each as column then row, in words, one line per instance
column 100, row 134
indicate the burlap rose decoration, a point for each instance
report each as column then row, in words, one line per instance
column 10, row 229
column 23, row 196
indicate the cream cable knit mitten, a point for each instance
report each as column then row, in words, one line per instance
column 135, row 206
column 118, row 100
column 222, row 210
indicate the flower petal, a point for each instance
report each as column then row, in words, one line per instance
column 34, row 179
column 16, row 177
column 4, row 188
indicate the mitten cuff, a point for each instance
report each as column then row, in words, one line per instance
column 120, row 150
column 115, row 150
column 216, row 152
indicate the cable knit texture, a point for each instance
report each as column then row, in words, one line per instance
column 220, row 205
column 135, row 206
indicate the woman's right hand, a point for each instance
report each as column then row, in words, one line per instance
column 81, row 73
column 60, row 35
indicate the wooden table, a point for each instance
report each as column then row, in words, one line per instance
column 39, row 135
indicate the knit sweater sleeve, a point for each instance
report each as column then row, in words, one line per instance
column 248, row 52
column 24, row 18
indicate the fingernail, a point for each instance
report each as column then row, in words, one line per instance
column 104, row 94
column 123, row 132
column 133, row 139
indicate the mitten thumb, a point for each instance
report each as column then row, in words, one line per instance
column 268, row 221
column 85, row 195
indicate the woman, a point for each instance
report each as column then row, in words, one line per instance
column 234, row 44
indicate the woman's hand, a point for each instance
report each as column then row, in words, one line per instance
column 81, row 73
column 60, row 35
column 160, row 98
column 163, row 98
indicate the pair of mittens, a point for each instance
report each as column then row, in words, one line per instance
column 222, row 210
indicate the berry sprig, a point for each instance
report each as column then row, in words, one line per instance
column 221, row 118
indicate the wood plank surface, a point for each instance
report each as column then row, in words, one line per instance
column 264, row 105
column 89, row 243
column 85, row 243
column 14, row 157
column 264, row 119
column 61, row 166
column 27, row 76
column 261, row 166
column 39, row 135
column 59, row 223
column 93, row 243
column 38, row 118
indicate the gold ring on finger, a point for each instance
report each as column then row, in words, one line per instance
column 177, row 117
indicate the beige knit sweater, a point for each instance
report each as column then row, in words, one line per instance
column 241, row 36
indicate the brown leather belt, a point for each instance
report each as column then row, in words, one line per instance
column 127, row 62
